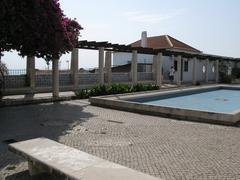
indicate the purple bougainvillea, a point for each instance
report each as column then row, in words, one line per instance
column 36, row 28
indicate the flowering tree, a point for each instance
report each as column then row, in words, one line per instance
column 3, row 69
column 36, row 28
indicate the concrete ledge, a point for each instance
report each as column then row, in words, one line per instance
column 27, row 90
column 12, row 101
column 28, row 101
column 45, row 155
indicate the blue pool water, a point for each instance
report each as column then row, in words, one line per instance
column 220, row 100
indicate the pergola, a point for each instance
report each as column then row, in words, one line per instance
column 109, row 48
column 158, row 54
column 93, row 45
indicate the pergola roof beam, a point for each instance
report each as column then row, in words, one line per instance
column 166, row 52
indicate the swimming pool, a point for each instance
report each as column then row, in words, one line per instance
column 219, row 100
column 216, row 103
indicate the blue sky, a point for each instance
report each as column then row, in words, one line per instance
column 211, row 26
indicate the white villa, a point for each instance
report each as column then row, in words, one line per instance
column 169, row 43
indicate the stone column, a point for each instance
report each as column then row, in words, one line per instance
column 55, row 77
column 154, row 67
column 108, row 66
column 28, row 66
column 194, row 81
column 134, row 67
column 101, row 65
column 217, row 71
column 158, row 70
column 206, row 70
column 31, row 72
column 74, row 67
column 179, row 69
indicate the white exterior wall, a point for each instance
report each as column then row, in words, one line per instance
column 200, row 76
column 167, row 63
column 231, row 65
column 211, row 73
column 187, row 76
column 125, row 58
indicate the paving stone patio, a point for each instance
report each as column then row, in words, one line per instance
column 165, row 148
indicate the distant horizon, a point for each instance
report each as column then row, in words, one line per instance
column 210, row 26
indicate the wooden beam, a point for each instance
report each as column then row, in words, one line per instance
column 93, row 45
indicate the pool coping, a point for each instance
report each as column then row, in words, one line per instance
column 119, row 102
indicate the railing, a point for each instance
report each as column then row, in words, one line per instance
column 17, row 72
column 44, row 78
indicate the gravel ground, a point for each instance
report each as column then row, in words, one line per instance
column 165, row 148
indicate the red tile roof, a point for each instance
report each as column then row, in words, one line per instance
column 166, row 42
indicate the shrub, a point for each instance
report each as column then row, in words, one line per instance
column 83, row 94
column 198, row 83
column 118, row 88
column 226, row 79
column 236, row 73
column 3, row 69
column 100, row 90
column 152, row 87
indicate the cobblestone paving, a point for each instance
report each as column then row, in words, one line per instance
column 161, row 147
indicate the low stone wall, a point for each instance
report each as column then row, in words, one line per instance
column 145, row 76
column 88, row 78
column 44, row 80
column 15, row 81
column 121, row 77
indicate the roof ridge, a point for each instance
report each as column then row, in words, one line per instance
column 166, row 41
column 169, row 41
column 153, row 37
column 183, row 43
column 156, row 36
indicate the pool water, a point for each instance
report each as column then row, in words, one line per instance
column 220, row 100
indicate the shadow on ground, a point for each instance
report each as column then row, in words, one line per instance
column 50, row 120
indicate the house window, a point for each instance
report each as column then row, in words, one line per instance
column 185, row 66
column 213, row 69
column 204, row 69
